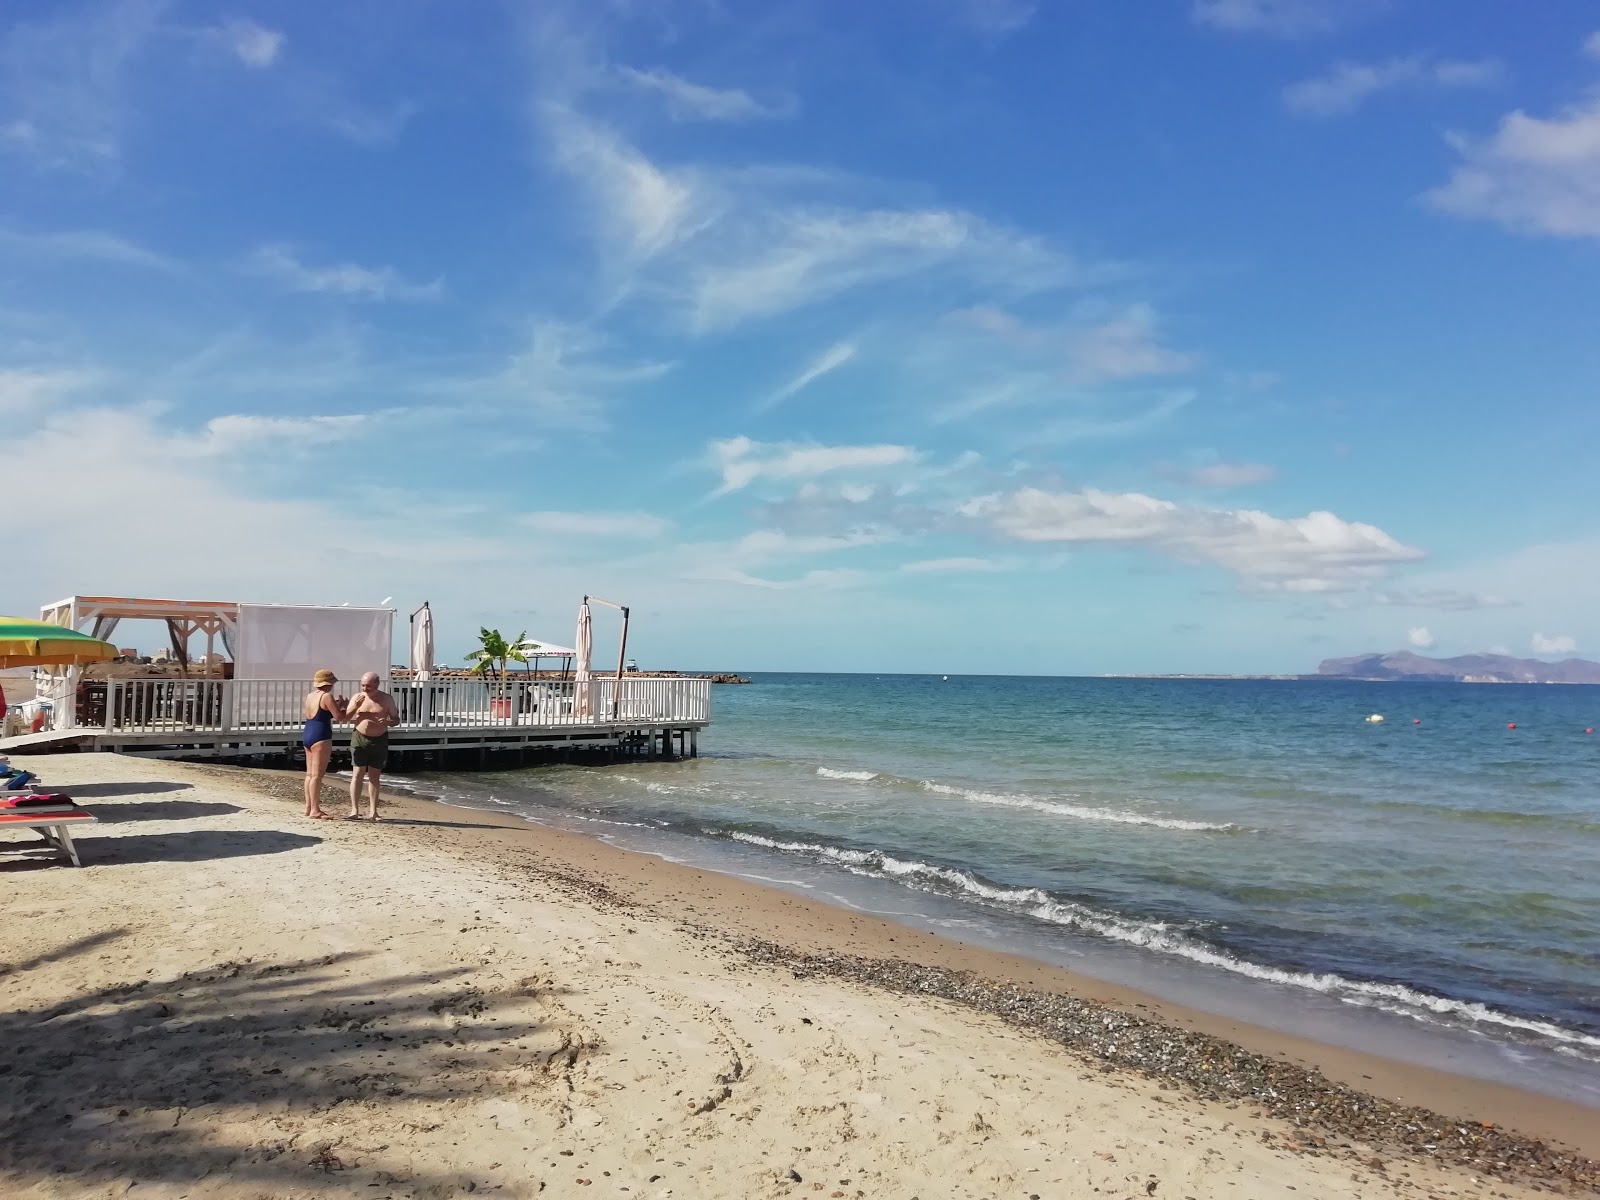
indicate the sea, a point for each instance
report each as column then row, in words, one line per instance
column 1426, row 887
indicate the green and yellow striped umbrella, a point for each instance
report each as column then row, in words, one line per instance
column 25, row 643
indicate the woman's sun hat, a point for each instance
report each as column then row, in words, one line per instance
column 324, row 677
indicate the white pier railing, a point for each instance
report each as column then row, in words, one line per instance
column 140, row 706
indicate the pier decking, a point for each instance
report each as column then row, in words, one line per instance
column 441, row 720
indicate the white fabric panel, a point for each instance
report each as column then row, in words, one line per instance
column 292, row 641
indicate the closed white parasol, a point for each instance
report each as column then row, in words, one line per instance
column 422, row 643
column 585, row 655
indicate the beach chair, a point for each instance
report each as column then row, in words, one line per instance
column 49, row 814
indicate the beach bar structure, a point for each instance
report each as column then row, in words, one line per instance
column 245, row 702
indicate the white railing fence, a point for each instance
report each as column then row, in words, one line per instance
column 274, row 705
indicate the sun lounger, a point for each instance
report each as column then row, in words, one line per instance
column 50, row 815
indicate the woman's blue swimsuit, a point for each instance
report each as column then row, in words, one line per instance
column 318, row 728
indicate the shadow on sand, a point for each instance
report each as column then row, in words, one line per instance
column 276, row 1075
column 164, row 847
column 161, row 810
column 102, row 790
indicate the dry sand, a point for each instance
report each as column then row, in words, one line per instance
column 232, row 1001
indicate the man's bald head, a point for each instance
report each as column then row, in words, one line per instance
column 369, row 681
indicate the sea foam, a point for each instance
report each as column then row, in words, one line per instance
column 1164, row 938
column 1075, row 811
column 859, row 776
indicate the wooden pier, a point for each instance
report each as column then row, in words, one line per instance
column 444, row 723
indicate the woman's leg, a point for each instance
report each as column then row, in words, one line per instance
column 316, row 767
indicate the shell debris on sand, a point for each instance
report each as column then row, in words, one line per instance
column 1214, row 1068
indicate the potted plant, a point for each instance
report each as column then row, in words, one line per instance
column 494, row 653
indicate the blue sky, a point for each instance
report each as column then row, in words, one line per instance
column 944, row 335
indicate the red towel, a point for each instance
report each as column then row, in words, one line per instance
column 37, row 800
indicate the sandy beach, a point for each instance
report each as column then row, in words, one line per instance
column 229, row 1000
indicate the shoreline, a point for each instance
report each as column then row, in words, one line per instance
column 782, row 926
column 256, row 897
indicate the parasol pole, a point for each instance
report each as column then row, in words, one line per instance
column 622, row 649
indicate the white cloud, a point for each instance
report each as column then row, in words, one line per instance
column 254, row 45
column 1126, row 347
column 86, row 244
column 340, row 279
column 1316, row 552
column 693, row 101
column 1591, row 44
column 1231, row 475
column 1420, row 637
column 942, row 566
column 831, row 359
column 741, row 461
column 641, row 205
column 230, row 434
column 32, row 393
column 1280, row 18
column 1559, row 643
column 1348, row 84
column 1534, row 175
column 597, row 524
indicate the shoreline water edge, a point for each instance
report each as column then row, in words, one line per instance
column 1376, row 1118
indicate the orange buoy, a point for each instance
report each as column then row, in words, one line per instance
column 1513, row 725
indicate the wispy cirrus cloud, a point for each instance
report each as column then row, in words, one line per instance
column 687, row 101
column 90, row 245
column 952, row 566
column 563, row 376
column 1225, row 475
column 1282, row 18
column 62, row 82
column 586, row 525
column 995, row 17
column 254, row 45
column 1348, row 85
column 717, row 247
column 830, row 360
column 1092, row 349
column 339, row 279
column 741, row 461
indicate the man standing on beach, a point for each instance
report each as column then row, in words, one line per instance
column 374, row 714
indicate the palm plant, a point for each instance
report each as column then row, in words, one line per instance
column 495, row 652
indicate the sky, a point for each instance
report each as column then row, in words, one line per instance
column 1055, row 337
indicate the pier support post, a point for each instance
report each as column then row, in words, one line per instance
column 694, row 743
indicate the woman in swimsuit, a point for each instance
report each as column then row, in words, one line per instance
column 319, row 708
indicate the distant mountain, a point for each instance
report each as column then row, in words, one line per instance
column 1465, row 668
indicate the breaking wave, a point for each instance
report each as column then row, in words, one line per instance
column 1166, row 938
column 1076, row 811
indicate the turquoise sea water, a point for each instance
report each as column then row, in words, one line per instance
column 1441, row 875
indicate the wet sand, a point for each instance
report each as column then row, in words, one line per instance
column 231, row 1000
